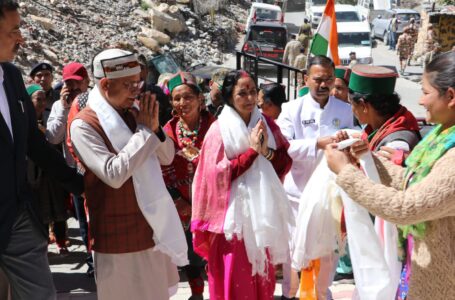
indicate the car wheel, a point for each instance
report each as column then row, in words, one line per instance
column 385, row 38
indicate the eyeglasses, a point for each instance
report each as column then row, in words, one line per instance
column 133, row 85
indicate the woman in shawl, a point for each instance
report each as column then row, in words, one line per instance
column 187, row 129
column 420, row 197
column 240, row 210
column 391, row 130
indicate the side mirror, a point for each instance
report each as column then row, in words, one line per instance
column 379, row 16
column 363, row 18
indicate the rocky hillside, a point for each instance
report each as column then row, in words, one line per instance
column 195, row 31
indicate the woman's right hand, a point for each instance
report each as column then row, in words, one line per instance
column 358, row 149
column 255, row 137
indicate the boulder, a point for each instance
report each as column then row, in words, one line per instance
column 164, row 22
column 45, row 22
column 149, row 43
column 50, row 55
column 163, row 7
column 159, row 36
column 142, row 13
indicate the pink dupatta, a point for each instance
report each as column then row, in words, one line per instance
column 212, row 185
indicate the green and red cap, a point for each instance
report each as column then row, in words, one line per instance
column 367, row 79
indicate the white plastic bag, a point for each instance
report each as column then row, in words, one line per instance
column 316, row 232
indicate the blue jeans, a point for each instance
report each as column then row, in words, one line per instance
column 78, row 203
column 393, row 40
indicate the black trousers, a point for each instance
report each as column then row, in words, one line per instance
column 25, row 262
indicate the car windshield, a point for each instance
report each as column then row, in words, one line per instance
column 407, row 17
column 354, row 38
column 265, row 14
column 319, row 2
column 165, row 64
column 347, row 16
column 276, row 36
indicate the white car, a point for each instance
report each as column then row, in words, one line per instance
column 355, row 37
column 344, row 13
column 262, row 12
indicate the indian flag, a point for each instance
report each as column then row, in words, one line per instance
column 325, row 41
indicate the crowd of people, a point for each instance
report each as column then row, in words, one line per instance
column 161, row 176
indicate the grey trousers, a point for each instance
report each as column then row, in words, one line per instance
column 25, row 262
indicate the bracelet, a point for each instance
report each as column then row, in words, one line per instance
column 269, row 155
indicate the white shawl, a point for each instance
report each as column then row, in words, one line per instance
column 152, row 196
column 258, row 210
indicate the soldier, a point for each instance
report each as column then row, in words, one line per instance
column 414, row 32
column 430, row 39
column 429, row 56
column 291, row 51
column 404, row 46
column 305, row 33
column 300, row 63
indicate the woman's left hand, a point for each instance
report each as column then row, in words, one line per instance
column 336, row 159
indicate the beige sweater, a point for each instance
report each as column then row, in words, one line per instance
column 431, row 200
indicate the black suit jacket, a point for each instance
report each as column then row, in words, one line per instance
column 27, row 141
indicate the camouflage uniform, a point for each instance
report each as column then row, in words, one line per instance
column 305, row 35
column 300, row 63
column 291, row 51
column 405, row 46
column 413, row 32
column 429, row 40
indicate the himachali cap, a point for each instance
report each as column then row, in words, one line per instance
column 343, row 73
column 75, row 71
column 367, row 79
column 33, row 89
column 115, row 63
column 303, row 91
column 181, row 78
column 41, row 67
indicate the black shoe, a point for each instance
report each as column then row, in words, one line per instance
column 286, row 298
column 90, row 271
column 345, row 278
column 196, row 297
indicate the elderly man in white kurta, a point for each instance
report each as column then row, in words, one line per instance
column 309, row 123
column 135, row 229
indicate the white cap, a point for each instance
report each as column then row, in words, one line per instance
column 115, row 63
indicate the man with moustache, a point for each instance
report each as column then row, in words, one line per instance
column 310, row 123
column 23, row 243
column 42, row 74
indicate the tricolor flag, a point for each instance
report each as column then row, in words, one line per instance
column 325, row 41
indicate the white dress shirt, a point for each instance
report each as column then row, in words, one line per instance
column 302, row 122
column 4, row 107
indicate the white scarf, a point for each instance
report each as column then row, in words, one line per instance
column 152, row 196
column 258, row 210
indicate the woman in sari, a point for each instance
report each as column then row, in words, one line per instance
column 187, row 129
column 420, row 197
column 240, row 210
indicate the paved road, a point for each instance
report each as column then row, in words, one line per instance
column 72, row 283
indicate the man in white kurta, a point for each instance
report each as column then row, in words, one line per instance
column 309, row 123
